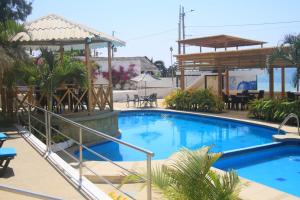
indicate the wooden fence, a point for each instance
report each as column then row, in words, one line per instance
column 66, row 99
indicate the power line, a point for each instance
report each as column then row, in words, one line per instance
column 212, row 26
column 241, row 25
column 201, row 31
column 153, row 34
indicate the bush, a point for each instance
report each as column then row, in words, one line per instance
column 273, row 110
column 194, row 100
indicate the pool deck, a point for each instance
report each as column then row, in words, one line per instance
column 250, row 190
column 30, row 171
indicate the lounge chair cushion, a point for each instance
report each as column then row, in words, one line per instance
column 7, row 152
column 3, row 136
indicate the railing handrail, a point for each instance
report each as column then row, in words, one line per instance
column 27, row 192
column 289, row 116
column 94, row 131
column 47, row 135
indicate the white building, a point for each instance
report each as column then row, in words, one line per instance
column 124, row 69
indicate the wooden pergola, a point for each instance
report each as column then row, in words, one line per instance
column 224, row 61
column 57, row 33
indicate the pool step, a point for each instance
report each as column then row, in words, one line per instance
column 287, row 137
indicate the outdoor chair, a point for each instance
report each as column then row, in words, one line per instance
column 234, row 102
column 261, row 94
column 226, row 100
column 3, row 138
column 244, row 102
column 291, row 96
column 6, row 154
column 135, row 100
column 153, row 99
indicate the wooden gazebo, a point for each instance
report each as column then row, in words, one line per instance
column 223, row 61
column 57, row 33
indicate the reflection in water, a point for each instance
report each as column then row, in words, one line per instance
column 165, row 132
column 150, row 136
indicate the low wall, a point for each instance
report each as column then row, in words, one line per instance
column 106, row 122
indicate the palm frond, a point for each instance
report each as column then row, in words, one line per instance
column 189, row 177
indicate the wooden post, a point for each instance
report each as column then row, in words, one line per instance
column 282, row 82
column 271, row 82
column 110, row 85
column 227, row 81
column 61, row 51
column 219, row 82
column 88, row 69
column 182, row 84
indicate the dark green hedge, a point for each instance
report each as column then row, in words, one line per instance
column 273, row 110
column 194, row 100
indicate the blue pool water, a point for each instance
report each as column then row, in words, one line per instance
column 164, row 133
column 277, row 167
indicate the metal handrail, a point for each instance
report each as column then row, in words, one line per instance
column 49, row 129
column 27, row 193
column 291, row 115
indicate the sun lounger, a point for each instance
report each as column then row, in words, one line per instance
column 3, row 137
column 6, row 154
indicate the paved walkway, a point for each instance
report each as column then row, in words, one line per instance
column 228, row 113
column 30, row 171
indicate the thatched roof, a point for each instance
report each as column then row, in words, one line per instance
column 52, row 31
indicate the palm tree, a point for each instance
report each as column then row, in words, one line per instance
column 48, row 73
column 190, row 177
column 11, row 54
column 289, row 50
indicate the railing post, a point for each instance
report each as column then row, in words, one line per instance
column 149, row 177
column 80, row 155
column 29, row 118
column 49, row 130
column 46, row 129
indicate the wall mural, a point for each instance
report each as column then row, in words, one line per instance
column 248, row 82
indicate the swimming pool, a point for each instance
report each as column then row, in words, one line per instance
column 165, row 132
column 276, row 165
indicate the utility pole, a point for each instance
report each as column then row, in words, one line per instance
column 172, row 70
column 179, row 31
column 183, row 29
column 112, row 47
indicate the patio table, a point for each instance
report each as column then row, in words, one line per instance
column 237, row 100
column 144, row 100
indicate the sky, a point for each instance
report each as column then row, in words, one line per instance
column 150, row 27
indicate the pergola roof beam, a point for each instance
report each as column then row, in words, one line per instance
column 220, row 41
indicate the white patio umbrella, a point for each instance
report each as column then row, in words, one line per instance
column 144, row 78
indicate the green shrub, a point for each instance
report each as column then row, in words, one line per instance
column 273, row 110
column 194, row 100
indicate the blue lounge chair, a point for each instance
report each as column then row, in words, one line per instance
column 6, row 154
column 3, row 137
